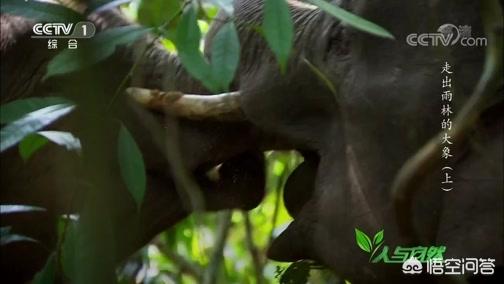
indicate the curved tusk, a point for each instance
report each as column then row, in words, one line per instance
column 224, row 106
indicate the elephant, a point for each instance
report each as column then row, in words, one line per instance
column 368, row 121
column 361, row 109
column 54, row 179
column 366, row 132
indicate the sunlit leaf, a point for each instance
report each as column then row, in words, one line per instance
column 48, row 274
column 278, row 168
column 225, row 55
column 16, row 109
column 132, row 165
column 34, row 142
column 363, row 240
column 40, row 11
column 14, row 209
column 95, row 50
column 156, row 13
column 278, row 29
column 62, row 138
column 14, row 132
column 352, row 19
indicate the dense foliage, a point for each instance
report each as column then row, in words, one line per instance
column 192, row 251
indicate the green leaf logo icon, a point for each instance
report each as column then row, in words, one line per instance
column 363, row 241
column 378, row 238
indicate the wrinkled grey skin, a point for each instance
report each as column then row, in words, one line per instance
column 55, row 179
column 386, row 107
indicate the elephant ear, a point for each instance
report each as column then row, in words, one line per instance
column 291, row 245
column 300, row 185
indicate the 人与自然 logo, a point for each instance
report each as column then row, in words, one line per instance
column 414, row 259
column 399, row 254
column 447, row 35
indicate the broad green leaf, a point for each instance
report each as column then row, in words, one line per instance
column 156, row 13
column 40, row 11
column 188, row 34
column 13, row 209
column 97, row 49
column 352, row 19
column 363, row 240
column 278, row 29
column 15, row 131
column 225, row 55
column 378, row 238
column 132, row 165
column 31, row 144
column 16, row 109
column 48, row 274
column 95, row 244
column 226, row 5
column 187, row 41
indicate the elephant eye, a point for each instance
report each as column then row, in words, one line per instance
column 338, row 42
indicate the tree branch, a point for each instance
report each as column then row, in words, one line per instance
column 254, row 253
column 224, row 224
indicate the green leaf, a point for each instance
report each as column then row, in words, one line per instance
column 225, row 55
column 352, row 19
column 40, row 11
column 62, row 138
column 48, row 274
column 278, row 29
column 16, row 109
column 34, row 142
column 69, row 247
column 132, row 165
column 296, row 273
column 187, row 41
column 14, row 209
column 155, row 13
column 97, row 49
column 14, row 132
column 31, row 144
column 363, row 240
column 6, row 237
column 378, row 238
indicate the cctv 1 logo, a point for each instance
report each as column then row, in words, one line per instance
column 62, row 30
